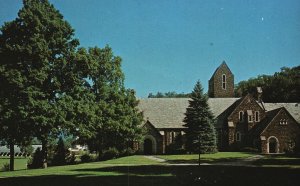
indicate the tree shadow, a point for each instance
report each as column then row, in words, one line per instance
column 167, row 175
column 281, row 161
column 204, row 160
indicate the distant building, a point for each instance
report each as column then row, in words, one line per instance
column 241, row 122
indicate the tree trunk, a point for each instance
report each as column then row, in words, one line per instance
column 44, row 153
column 11, row 157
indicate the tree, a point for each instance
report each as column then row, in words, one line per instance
column 198, row 119
column 60, row 153
column 35, row 51
column 172, row 94
column 48, row 86
column 117, row 122
column 283, row 86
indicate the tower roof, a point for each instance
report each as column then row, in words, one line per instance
column 223, row 65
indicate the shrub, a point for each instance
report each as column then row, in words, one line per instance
column 60, row 153
column 110, row 153
column 5, row 167
column 36, row 161
column 249, row 149
column 128, row 152
column 87, row 157
column 27, row 150
column 71, row 158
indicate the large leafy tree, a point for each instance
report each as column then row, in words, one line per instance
column 283, row 86
column 34, row 50
column 49, row 87
column 172, row 94
column 198, row 119
column 118, row 124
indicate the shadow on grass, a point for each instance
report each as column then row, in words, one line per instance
column 279, row 160
column 167, row 175
column 203, row 160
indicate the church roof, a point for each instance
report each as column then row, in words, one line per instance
column 223, row 65
column 292, row 108
column 169, row 112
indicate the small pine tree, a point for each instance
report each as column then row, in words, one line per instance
column 199, row 122
column 60, row 153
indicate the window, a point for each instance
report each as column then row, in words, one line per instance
column 241, row 116
column 250, row 116
column 238, row 136
column 283, row 122
column 172, row 136
column 256, row 116
column 224, row 81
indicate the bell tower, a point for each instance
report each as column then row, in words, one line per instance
column 221, row 84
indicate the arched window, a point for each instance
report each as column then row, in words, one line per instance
column 238, row 136
column 241, row 116
column 224, row 81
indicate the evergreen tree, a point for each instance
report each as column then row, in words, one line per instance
column 60, row 153
column 199, row 122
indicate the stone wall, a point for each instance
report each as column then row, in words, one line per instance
column 216, row 89
column 244, row 126
column 287, row 133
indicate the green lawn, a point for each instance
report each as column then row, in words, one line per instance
column 78, row 169
column 20, row 163
column 206, row 158
column 279, row 161
column 139, row 170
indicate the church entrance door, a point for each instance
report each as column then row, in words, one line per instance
column 148, row 146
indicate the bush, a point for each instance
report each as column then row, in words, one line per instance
column 128, row 152
column 71, row 158
column 27, row 150
column 36, row 161
column 87, row 157
column 5, row 167
column 60, row 153
column 110, row 153
column 249, row 149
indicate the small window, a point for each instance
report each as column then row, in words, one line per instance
column 250, row 115
column 238, row 136
column 241, row 116
column 283, row 122
column 224, row 81
column 173, row 136
column 256, row 116
column 249, row 118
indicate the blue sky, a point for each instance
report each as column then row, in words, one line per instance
column 167, row 45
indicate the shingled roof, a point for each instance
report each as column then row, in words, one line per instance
column 293, row 108
column 169, row 112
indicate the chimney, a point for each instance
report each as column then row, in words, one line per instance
column 259, row 95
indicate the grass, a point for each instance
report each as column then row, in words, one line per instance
column 20, row 163
column 290, row 161
column 139, row 170
column 78, row 169
column 206, row 158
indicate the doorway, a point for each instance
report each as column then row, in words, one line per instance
column 148, row 147
column 273, row 145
